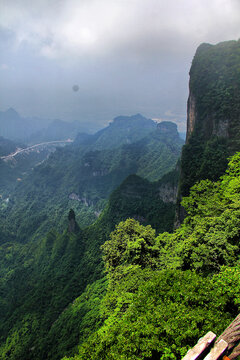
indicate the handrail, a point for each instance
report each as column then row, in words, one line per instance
column 226, row 347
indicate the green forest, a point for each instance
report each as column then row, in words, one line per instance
column 164, row 292
column 157, row 295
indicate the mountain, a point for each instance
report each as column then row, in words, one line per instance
column 56, row 267
column 213, row 115
column 80, row 178
column 122, row 130
column 150, row 203
column 59, row 130
column 35, row 130
column 15, row 127
column 9, row 174
column 163, row 293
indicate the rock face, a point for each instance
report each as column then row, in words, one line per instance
column 168, row 128
column 168, row 193
column 213, row 114
column 191, row 115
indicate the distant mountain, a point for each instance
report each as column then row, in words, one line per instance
column 58, row 130
column 15, row 127
column 123, row 130
column 34, row 130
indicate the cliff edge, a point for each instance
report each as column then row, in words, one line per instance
column 213, row 115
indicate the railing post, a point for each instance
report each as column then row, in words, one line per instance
column 199, row 350
column 218, row 351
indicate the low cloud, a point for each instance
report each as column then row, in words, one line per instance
column 4, row 67
column 127, row 56
column 63, row 28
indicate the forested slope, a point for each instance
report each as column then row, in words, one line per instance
column 40, row 278
column 165, row 292
column 82, row 178
column 162, row 292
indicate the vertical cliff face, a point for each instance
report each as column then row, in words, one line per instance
column 213, row 115
column 191, row 115
column 214, row 92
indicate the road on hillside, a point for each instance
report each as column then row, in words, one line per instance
column 19, row 150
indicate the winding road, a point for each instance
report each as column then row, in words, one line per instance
column 18, row 151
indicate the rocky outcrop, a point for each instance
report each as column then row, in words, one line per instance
column 213, row 115
column 168, row 128
column 84, row 200
column 191, row 115
column 168, row 193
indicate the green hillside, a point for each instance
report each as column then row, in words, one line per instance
column 165, row 292
column 157, row 286
column 83, row 180
column 57, row 268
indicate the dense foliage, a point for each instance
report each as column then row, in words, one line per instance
column 142, row 200
column 57, row 268
column 161, row 293
column 165, row 292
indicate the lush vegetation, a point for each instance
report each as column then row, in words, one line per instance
column 142, row 200
column 57, row 268
column 161, row 292
column 166, row 291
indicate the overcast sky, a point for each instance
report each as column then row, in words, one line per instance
column 126, row 56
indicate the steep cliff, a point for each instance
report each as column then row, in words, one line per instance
column 213, row 114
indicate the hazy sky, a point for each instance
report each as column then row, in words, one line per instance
column 126, row 56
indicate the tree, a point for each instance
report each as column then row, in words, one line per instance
column 130, row 244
